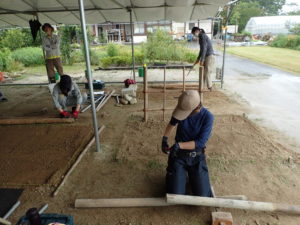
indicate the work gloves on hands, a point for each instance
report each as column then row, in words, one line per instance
column 174, row 149
column 75, row 114
column 65, row 114
column 165, row 146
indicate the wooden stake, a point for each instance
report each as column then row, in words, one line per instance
column 183, row 78
column 145, row 94
column 34, row 120
column 105, row 100
column 234, row 204
column 87, row 147
column 164, row 100
column 201, row 74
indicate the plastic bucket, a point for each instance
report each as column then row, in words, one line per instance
column 141, row 71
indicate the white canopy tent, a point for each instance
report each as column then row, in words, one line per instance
column 17, row 13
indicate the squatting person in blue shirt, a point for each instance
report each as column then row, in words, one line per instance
column 187, row 157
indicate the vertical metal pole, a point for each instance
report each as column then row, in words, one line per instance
column 145, row 94
column 224, row 49
column 88, row 69
column 132, row 47
column 165, row 95
column 183, row 78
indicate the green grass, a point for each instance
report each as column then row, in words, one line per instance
column 68, row 69
column 285, row 59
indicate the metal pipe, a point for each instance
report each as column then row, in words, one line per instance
column 88, row 69
column 132, row 47
column 89, row 106
column 13, row 208
column 42, row 210
column 165, row 95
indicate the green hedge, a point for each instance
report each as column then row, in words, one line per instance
column 6, row 60
column 286, row 41
column 29, row 56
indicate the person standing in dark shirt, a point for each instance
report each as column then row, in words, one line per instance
column 187, row 157
column 206, row 55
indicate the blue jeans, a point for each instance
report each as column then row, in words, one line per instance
column 195, row 168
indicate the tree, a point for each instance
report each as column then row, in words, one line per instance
column 269, row 7
column 294, row 13
column 13, row 39
column 243, row 12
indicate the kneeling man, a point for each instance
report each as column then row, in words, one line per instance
column 67, row 94
column 187, row 157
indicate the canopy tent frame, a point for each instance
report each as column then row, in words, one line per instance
column 82, row 9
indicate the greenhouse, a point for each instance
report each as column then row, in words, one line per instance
column 271, row 24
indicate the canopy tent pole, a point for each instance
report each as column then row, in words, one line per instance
column 88, row 69
column 230, row 6
column 132, row 47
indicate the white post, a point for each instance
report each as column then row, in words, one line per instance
column 88, row 69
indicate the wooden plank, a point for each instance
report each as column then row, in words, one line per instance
column 87, row 147
column 125, row 202
column 105, row 100
column 120, row 202
column 34, row 120
column 234, row 204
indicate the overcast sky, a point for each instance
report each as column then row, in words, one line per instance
column 288, row 8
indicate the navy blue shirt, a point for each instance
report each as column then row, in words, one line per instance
column 206, row 48
column 196, row 128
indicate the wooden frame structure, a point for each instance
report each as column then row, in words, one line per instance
column 163, row 109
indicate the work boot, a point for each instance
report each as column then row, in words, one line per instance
column 52, row 80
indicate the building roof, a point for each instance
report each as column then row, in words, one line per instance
column 271, row 24
column 18, row 12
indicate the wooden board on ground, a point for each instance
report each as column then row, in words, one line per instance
column 34, row 120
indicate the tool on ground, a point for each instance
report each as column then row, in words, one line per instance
column 12, row 209
column 96, row 101
column 190, row 71
column 43, row 209
column 5, row 222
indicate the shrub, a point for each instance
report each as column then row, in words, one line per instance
column 116, row 61
column 77, row 56
column 112, row 50
column 13, row 39
column 190, row 57
column 286, row 41
column 95, row 59
column 29, row 56
column 5, row 59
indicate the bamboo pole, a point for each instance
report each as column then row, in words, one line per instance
column 164, row 100
column 234, row 204
column 87, row 147
column 183, row 78
column 34, row 120
column 145, row 94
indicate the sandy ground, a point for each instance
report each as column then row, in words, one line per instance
column 242, row 159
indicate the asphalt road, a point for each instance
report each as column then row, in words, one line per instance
column 273, row 94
